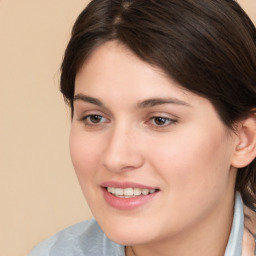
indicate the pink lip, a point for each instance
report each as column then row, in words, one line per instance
column 126, row 203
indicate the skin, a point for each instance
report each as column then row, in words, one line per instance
column 188, row 156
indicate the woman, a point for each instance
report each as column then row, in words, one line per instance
column 163, row 137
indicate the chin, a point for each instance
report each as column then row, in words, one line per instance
column 126, row 232
column 127, row 238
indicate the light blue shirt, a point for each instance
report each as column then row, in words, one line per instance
column 87, row 239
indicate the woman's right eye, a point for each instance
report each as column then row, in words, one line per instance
column 93, row 120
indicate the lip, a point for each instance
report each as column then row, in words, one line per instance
column 126, row 203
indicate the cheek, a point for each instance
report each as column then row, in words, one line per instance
column 194, row 163
column 84, row 154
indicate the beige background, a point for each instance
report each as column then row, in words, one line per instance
column 39, row 193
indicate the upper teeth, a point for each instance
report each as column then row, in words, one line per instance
column 129, row 192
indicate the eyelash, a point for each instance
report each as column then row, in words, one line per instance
column 87, row 120
column 167, row 121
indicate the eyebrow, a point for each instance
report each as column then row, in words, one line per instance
column 88, row 99
column 142, row 104
column 160, row 101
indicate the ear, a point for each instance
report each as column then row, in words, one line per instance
column 245, row 148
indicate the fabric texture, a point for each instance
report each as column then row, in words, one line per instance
column 234, row 246
column 82, row 239
column 87, row 239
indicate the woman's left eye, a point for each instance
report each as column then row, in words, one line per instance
column 162, row 121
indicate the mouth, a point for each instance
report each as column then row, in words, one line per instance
column 130, row 192
column 127, row 195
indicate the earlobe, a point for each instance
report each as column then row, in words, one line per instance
column 245, row 150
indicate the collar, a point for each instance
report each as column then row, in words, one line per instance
column 234, row 246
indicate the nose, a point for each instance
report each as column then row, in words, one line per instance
column 122, row 151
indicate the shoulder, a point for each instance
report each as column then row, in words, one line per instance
column 82, row 239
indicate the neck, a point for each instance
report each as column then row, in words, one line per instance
column 209, row 237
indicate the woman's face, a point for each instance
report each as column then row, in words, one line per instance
column 153, row 160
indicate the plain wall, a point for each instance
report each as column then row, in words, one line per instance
column 39, row 193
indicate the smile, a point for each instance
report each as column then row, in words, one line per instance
column 127, row 196
column 129, row 192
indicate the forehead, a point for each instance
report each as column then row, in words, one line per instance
column 112, row 66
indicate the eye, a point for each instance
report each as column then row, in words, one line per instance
column 93, row 119
column 162, row 121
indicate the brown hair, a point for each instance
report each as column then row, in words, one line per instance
column 207, row 46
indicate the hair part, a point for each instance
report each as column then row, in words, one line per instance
column 207, row 46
